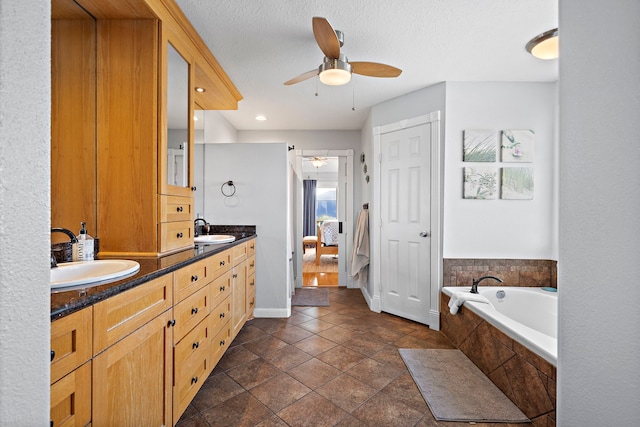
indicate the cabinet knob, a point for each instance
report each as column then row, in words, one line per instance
column 222, row 315
column 53, row 355
column 194, row 278
column 179, row 235
column 193, row 188
column 252, row 283
column 195, row 345
column 222, row 288
column 235, row 276
column 171, row 322
column 221, row 343
column 221, row 263
column 251, row 265
column 194, row 310
column 179, row 209
column 194, row 380
column 251, row 303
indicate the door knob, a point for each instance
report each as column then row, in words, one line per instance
column 424, row 234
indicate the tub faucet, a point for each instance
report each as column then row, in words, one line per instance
column 72, row 238
column 205, row 227
column 474, row 285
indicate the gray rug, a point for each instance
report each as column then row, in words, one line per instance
column 456, row 390
column 311, row 297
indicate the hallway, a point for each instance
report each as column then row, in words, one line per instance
column 323, row 366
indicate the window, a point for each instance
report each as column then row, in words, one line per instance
column 326, row 203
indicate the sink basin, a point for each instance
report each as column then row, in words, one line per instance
column 212, row 239
column 91, row 272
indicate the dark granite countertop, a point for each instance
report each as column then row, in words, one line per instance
column 67, row 301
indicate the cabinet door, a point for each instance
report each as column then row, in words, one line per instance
column 132, row 379
column 71, row 398
column 239, row 315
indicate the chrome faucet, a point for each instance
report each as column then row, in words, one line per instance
column 205, row 227
column 72, row 238
column 474, row 285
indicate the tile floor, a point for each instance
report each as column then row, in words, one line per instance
column 323, row 366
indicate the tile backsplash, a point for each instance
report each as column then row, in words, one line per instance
column 514, row 272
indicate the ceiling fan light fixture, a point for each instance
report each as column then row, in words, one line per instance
column 545, row 45
column 335, row 72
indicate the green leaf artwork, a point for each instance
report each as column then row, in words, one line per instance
column 517, row 184
column 480, row 183
column 480, row 145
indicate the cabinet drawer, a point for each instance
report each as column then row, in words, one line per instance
column 189, row 312
column 174, row 208
column 194, row 345
column 251, row 247
column 220, row 315
column 251, row 265
column 71, row 342
column 221, row 288
column 187, row 385
column 239, row 253
column 220, row 343
column 71, row 398
column 219, row 263
column 251, row 303
column 189, row 279
column 175, row 235
column 118, row 316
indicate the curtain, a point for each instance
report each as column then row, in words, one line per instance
column 309, row 207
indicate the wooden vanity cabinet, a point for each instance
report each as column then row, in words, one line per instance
column 139, row 357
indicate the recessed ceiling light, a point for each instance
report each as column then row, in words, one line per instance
column 545, row 45
column 261, row 118
column 200, row 89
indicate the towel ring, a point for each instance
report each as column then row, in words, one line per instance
column 230, row 192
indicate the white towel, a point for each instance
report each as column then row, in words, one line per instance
column 459, row 298
column 360, row 257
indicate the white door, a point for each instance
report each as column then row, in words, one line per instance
column 405, row 200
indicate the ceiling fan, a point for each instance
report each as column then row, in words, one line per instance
column 336, row 68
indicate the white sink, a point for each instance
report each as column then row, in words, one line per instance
column 91, row 272
column 213, row 239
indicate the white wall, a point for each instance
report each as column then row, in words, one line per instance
column 261, row 175
column 520, row 229
column 599, row 268
column 25, row 101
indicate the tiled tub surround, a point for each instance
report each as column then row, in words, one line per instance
column 514, row 272
column 526, row 378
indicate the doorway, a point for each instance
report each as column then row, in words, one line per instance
column 407, row 219
column 323, row 261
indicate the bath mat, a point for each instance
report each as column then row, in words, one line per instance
column 311, row 297
column 456, row 390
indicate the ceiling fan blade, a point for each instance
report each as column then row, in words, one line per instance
column 302, row 77
column 326, row 37
column 373, row 69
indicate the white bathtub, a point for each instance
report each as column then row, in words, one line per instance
column 527, row 315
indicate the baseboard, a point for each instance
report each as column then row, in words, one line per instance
column 372, row 302
column 278, row 313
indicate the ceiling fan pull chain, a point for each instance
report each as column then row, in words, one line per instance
column 317, row 80
column 353, row 102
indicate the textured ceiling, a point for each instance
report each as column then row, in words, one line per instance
column 263, row 43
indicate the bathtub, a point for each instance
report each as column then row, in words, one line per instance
column 526, row 315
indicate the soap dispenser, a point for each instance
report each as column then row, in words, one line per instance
column 83, row 250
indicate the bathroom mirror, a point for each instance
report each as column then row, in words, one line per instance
column 177, row 119
column 73, row 118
